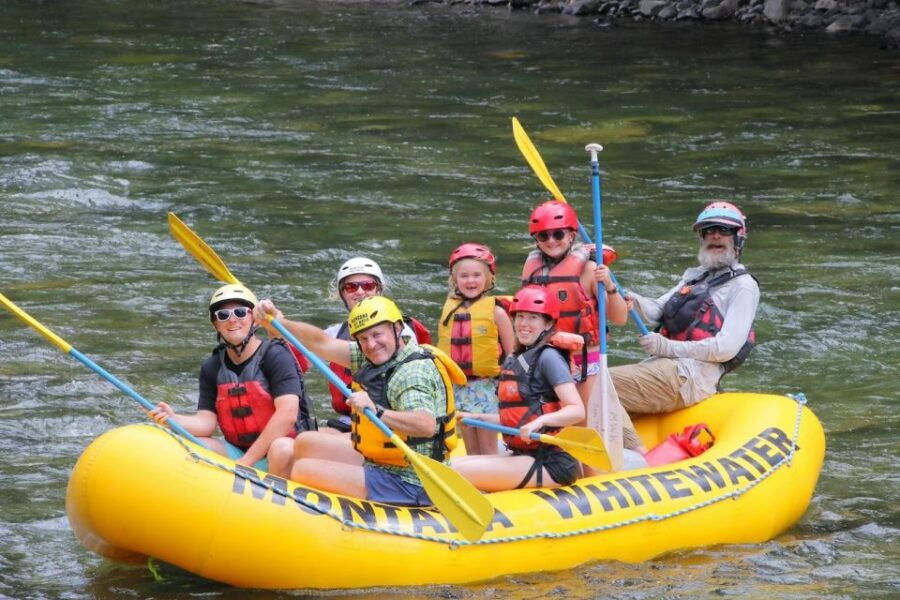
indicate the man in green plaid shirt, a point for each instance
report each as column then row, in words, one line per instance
column 403, row 387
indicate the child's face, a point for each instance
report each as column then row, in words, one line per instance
column 555, row 242
column 471, row 277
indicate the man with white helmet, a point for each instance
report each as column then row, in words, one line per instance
column 251, row 389
column 704, row 324
column 359, row 277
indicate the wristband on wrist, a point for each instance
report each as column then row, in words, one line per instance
column 379, row 411
column 613, row 291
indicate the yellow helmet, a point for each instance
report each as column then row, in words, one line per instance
column 233, row 292
column 371, row 311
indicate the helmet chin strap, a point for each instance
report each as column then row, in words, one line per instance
column 238, row 348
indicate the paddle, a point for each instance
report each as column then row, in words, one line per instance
column 581, row 442
column 452, row 494
column 70, row 350
column 540, row 169
column 603, row 405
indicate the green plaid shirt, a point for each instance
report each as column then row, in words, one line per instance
column 416, row 385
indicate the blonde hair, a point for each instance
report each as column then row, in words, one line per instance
column 453, row 291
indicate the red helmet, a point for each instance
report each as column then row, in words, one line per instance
column 725, row 214
column 535, row 299
column 476, row 251
column 552, row 215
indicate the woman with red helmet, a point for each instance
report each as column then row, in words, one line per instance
column 570, row 272
column 475, row 331
column 537, row 395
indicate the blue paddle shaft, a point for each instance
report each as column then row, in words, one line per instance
column 329, row 374
column 598, row 231
column 587, row 239
column 130, row 392
column 496, row 427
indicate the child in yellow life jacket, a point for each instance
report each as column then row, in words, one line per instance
column 569, row 272
column 537, row 395
column 477, row 333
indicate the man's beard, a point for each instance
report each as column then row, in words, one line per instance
column 712, row 261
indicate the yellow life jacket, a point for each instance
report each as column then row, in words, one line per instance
column 469, row 335
column 369, row 441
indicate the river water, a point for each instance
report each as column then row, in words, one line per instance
column 292, row 135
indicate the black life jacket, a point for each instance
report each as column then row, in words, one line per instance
column 691, row 315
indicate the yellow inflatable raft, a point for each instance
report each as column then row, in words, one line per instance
column 140, row 491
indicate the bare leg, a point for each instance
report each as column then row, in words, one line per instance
column 339, row 478
column 470, row 439
column 584, row 390
column 498, row 473
column 281, row 456
column 487, row 442
column 326, row 446
column 214, row 445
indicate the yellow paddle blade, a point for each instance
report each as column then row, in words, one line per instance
column 584, row 444
column 197, row 248
column 55, row 339
column 467, row 508
column 534, row 159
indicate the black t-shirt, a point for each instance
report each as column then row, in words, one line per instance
column 277, row 365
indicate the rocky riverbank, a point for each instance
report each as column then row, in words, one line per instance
column 837, row 17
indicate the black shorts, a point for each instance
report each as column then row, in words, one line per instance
column 562, row 467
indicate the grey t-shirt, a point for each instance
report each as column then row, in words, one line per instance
column 552, row 369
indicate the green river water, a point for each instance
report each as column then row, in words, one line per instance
column 292, row 135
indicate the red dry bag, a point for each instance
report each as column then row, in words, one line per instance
column 680, row 446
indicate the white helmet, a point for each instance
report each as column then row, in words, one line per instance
column 360, row 265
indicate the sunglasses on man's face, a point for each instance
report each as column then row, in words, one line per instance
column 352, row 286
column 556, row 234
column 223, row 314
column 720, row 229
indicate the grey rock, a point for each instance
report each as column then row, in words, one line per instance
column 776, row 11
column 812, row 21
column 841, row 24
column 691, row 13
column 650, row 8
column 582, row 7
column 718, row 13
column 879, row 3
column 667, row 13
column 799, row 6
column 684, row 5
column 825, row 5
column 884, row 24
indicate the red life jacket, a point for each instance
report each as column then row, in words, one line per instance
column 522, row 398
column 691, row 315
column 577, row 313
column 338, row 402
column 244, row 403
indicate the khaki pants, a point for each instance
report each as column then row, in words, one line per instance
column 646, row 388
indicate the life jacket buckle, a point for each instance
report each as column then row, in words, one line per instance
column 242, row 411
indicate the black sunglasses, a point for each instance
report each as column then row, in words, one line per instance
column 556, row 234
column 720, row 229
column 223, row 314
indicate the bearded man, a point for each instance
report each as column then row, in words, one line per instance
column 704, row 325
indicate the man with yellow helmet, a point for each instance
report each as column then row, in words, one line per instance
column 251, row 389
column 405, row 384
